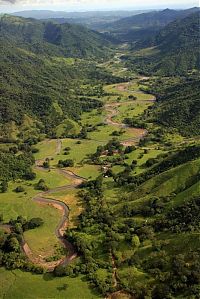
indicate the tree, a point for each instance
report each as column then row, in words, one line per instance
column 4, row 186
column 35, row 222
column 18, row 228
column 46, row 163
column 41, row 185
column 135, row 242
column 66, row 163
column 59, row 271
column 30, row 176
column 13, row 244
column 19, row 189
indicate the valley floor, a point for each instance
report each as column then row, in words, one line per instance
column 60, row 206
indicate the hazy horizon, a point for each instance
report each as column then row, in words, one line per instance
column 85, row 5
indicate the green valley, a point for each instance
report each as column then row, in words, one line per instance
column 99, row 162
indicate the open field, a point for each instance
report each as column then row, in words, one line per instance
column 124, row 90
column 17, row 285
column 52, row 178
column 87, row 171
column 41, row 240
column 46, row 148
column 78, row 152
column 131, row 110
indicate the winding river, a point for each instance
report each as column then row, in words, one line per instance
column 42, row 198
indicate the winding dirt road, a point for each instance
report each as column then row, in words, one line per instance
column 112, row 111
column 59, row 232
column 42, row 199
column 138, row 133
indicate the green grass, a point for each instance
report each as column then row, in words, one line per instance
column 132, row 275
column 78, row 152
column 52, row 178
column 46, row 148
column 105, row 134
column 93, row 118
column 88, row 171
column 131, row 88
column 71, row 199
column 141, row 158
column 147, row 52
column 180, row 243
column 17, row 285
column 131, row 110
column 172, row 181
column 42, row 239
column 69, row 127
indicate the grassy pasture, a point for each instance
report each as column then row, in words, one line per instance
column 64, row 128
column 17, row 284
column 131, row 110
column 42, row 240
column 46, row 148
column 78, row 152
column 87, row 171
column 52, row 178
column 93, row 118
column 174, row 181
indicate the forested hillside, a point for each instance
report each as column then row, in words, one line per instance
column 174, row 50
column 144, row 25
column 38, row 78
column 178, row 104
column 53, row 39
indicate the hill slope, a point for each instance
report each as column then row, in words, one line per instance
column 38, row 80
column 178, row 105
column 49, row 38
column 175, row 49
column 144, row 25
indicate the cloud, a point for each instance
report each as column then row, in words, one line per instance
column 93, row 3
column 7, row 1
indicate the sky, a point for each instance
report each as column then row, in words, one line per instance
column 86, row 5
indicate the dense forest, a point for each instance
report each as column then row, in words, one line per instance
column 48, row 38
column 177, row 105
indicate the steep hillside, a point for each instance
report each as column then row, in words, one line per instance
column 38, row 80
column 49, row 38
column 144, row 25
column 178, row 105
column 174, row 50
column 149, row 232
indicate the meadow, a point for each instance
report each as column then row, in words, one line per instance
column 17, row 284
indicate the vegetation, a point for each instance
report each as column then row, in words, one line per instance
column 11, row 255
column 122, row 220
column 15, row 166
column 145, row 25
column 43, row 60
column 177, row 104
column 175, row 49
